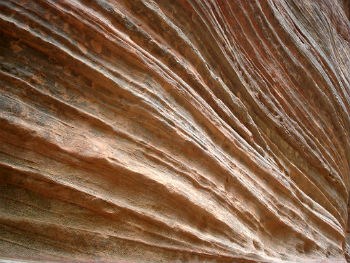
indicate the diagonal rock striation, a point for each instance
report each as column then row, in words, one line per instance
column 174, row 131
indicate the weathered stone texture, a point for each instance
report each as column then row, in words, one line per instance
column 174, row 130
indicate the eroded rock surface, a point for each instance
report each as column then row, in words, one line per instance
column 174, row 130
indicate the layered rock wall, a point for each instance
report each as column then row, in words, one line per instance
column 175, row 130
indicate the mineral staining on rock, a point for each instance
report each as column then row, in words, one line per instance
column 174, row 131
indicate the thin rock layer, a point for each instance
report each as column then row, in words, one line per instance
column 174, row 131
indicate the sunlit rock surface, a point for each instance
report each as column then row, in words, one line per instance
column 174, row 130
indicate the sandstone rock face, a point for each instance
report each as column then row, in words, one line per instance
column 174, row 130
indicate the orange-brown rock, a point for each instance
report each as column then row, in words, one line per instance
column 174, row 130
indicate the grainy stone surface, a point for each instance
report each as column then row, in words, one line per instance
column 174, row 130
